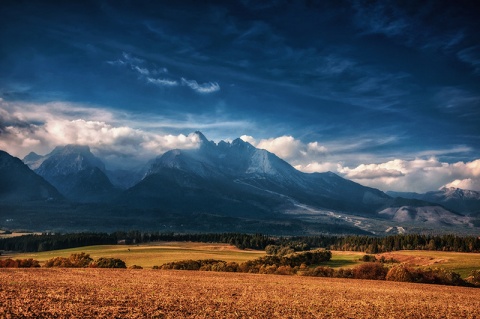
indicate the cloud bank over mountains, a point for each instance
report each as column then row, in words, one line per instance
column 124, row 141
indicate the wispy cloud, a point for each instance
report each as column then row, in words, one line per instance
column 162, row 82
column 204, row 88
column 458, row 101
column 148, row 75
column 143, row 71
column 381, row 18
column 471, row 56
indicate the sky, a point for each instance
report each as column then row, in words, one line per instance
column 385, row 93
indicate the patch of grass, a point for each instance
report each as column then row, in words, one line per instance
column 344, row 259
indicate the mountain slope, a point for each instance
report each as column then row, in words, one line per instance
column 18, row 183
column 456, row 199
column 236, row 176
column 75, row 172
column 238, row 180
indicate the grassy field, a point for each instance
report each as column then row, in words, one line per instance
column 147, row 293
column 150, row 255
column 462, row 263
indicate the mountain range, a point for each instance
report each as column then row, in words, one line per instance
column 227, row 186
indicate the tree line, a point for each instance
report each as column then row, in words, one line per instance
column 273, row 264
column 367, row 244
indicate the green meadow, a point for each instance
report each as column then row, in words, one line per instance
column 150, row 255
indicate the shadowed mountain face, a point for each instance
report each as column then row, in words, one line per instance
column 75, row 172
column 19, row 184
column 234, row 177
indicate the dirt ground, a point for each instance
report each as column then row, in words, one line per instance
column 105, row 293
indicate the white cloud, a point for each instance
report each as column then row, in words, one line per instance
column 248, row 139
column 162, row 82
column 285, row 147
column 467, row 183
column 417, row 175
column 142, row 71
column 316, row 167
column 41, row 127
column 304, row 157
column 290, row 149
column 316, row 148
column 203, row 88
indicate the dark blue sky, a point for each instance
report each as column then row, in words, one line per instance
column 328, row 85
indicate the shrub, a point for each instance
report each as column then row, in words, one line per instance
column 400, row 273
column 368, row 258
column 231, row 267
column 474, row 277
column 343, row 273
column 19, row 263
column 284, row 270
column 62, row 262
column 268, row 269
column 80, row 260
column 320, row 271
column 437, row 276
column 108, row 263
column 135, row 267
column 370, row 270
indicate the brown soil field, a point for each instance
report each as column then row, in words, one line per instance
column 106, row 293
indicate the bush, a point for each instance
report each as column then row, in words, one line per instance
column 80, row 260
column 437, row 276
column 135, row 267
column 400, row 273
column 320, row 271
column 204, row 265
column 474, row 277
column 284, row 270
column 368, row 258
column 19, row 263
column 62, row 262
column 343, row 273
column 370, row 270
column 108, row 263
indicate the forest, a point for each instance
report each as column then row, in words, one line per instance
column 367, row 244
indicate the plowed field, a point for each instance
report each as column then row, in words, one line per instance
column 105, row 293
